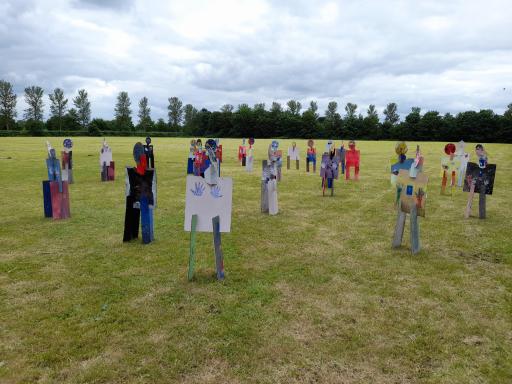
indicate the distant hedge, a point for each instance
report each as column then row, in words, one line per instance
column 6, row 133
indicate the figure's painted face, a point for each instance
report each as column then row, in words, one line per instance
column 52, row 153
column 294, row 144
column 138, row 151
column 401, row 148
column 251, row 141
column 480, row 151
column 275, row 145
column 461, row 146
column 148, row 140
column 68, row 143
column 449, row 149
column 311, row 143
column 211, row 144
column 352, row 144
column 243, row 141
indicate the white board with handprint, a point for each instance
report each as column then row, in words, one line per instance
column 207, row 201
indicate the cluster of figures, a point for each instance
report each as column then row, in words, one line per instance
column 199, row 159
column 411, row 184
column 209, row 196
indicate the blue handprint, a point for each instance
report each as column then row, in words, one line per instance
column 199, row 189
column 215, row 192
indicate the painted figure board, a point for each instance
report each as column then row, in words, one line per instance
column 207, row 201
column 473, row 172
column 413, row 192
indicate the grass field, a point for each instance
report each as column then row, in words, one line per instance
column 314, row 294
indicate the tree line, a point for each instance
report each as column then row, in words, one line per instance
column 257, row 121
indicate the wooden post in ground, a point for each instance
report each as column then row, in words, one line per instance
column 415, row 230
column 470, row 200
column 192, row 254
column 399, row 229
column 288, row 162
column 219, row 257
column 481, row 202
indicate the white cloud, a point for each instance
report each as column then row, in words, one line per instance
column 447, row 56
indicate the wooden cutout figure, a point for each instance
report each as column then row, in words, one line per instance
column 342, row 157
column 450, row 165
column 329, row 168
column 397, row 164
column 208, row 208
column 463, row 157
column 107, row 166
column 269, row 202
column 140, row 198
column 413, row 194
column 242, row 153
column 311, row 155
column 218, row 153
column 55, row 190
column 191, row 156
column 150, row 155
column 293, row 154
column 200, row 158
column 250, row 156
column 479, row 179
column 275, row 157
column 352, row 157
column 67, row 161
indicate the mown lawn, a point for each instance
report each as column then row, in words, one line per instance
column 314, row 294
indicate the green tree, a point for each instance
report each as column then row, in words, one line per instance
column 58, row 106
column 370, row 126
column 276, row 107
column 332, row 122
column 294, row 107
column 227, row 108
column 145, row 122
column 7, row 105
column 83, row 109
column 123, row 112
column 391, row 116
column 175, row 112
column 351, row 111
column 35, row 104
column 313, row 107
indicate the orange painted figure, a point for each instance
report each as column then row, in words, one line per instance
column 352, row 157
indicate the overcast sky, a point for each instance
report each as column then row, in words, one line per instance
column 447, row 55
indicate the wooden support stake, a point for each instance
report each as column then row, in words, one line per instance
column 470, row 201
column 415, row 230
column 219, row 258
column 307, row 165
column 288, row 162
column 192, row 254
column 399, row 229
column 481, row 202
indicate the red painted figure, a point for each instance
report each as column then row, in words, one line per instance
column 352, row 157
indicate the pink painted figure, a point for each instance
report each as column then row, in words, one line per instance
column 352, row 157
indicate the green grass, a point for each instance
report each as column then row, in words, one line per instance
column 314, row 294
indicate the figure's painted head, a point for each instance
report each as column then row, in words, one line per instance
column 480, row 151
column 243, row 141
column 211, row 144
column 311, row 143
column 461, row 145
column 148, row 140
column 199, row 144
column 352, row 144
column 52, row 153
column 401, row 148
column 68, row 143
column 294, row 144
column 275, row 145
column 449, row 149
column 251, row 140
column 138, row 151
column 193, row 142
